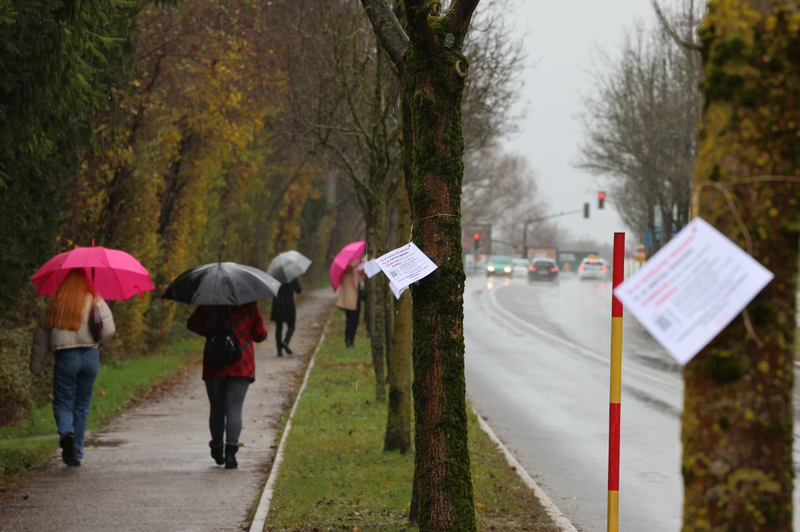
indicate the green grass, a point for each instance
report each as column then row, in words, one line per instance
column 335, row 475
column 30, row 442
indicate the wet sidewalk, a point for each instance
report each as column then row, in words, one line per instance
column 150, row 469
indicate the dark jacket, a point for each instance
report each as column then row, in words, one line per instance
column 245, row 320
column 283, row 308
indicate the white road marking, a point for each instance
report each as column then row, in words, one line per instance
column 580, row 349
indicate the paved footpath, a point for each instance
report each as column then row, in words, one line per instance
column 150, row 469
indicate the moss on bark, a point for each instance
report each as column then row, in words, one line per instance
column 737, row 420
column 434, row 90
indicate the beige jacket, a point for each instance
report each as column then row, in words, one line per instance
column 348, row 290
column 45, row 340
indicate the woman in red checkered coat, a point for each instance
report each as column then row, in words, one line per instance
column 227, row 381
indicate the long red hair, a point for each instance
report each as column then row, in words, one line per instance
column 65, row 308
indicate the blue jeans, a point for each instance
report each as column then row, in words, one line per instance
column 73, row 381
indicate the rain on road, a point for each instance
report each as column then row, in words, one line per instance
column 537, row 369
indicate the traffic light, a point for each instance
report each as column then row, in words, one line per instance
column 477, row 243
column 601, row 197
column 585, row 210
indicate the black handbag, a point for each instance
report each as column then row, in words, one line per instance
column 95, row 323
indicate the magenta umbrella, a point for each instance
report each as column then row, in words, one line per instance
column 116, row 274
column 350, row 252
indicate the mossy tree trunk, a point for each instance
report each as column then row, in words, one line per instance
column 398, row 425
column 377, row 236
column 737, row 420
column 433, row 69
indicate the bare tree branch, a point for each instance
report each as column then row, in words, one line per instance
column 388, row 30
column 459, row 16
column 671, row 31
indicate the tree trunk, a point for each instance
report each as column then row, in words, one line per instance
column 376, row 236
column 388, row 328
column 398, row 425
column 434, row 89
column 737, row 420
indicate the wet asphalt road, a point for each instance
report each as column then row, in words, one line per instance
column 537, row 369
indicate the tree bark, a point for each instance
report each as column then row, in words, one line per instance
column 446, row 500
column 433, row 70
column 398, row 425
column 737, row 420
column 377, row 235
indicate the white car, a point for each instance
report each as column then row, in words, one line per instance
column 519, row 267
column 593, row 267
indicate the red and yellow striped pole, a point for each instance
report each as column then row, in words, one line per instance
column 616, row 385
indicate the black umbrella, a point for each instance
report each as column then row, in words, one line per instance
column 288, row 266
column 221, row 283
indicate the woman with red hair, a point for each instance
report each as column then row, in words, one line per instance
column 63, row 329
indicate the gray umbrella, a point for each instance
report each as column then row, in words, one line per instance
column 222, row 283
column 288, row 266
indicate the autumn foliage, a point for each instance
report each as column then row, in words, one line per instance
column 186, row 154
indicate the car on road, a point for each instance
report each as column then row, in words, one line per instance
column 519, row 267
column 593, row 267
column 543, row 269
column 499, row 265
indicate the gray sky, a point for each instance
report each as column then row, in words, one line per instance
column 560, row 37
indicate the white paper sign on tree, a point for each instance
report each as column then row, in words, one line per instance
column 692, row 288
column 405, row 265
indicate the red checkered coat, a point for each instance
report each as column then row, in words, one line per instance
column 248, row 327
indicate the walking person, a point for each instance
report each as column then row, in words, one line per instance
column 285, row 311
column 349, row 300
column 228, row 370
column 64, row 329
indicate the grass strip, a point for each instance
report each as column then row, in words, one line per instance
column 31, row 442
column 335, row 475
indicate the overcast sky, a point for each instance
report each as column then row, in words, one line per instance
column 559, row 38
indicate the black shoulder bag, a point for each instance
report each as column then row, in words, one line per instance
column 223, row 346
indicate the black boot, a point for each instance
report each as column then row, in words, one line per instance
column 230, row 456
column 286, row 348
column 68, row 444
column 217, row 453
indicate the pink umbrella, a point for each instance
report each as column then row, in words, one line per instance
column 350, row 252
column 116, row 274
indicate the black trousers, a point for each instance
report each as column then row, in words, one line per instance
column 279, row 333
column 351, row 325
column 226, row 397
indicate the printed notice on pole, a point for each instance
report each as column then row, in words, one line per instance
column 692, row 288
column 405, row 265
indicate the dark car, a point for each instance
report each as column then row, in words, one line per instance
column 543, row 270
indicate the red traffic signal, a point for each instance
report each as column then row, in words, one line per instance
column 601, row 196
column 477, row 236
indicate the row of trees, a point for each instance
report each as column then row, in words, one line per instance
column 239, row 129
column 168, row 138
column 641, row 120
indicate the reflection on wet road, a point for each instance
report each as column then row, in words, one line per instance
column 537, row 369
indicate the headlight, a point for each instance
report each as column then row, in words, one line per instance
column 490, row 268
column 507, row 269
